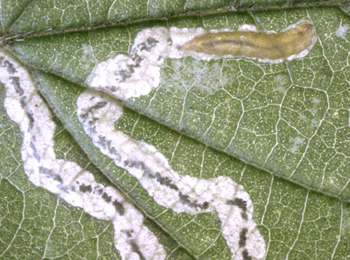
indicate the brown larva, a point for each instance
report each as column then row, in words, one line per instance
column 260, row 45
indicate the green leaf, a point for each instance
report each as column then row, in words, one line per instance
column 187, row 156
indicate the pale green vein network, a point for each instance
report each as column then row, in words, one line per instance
column 246, row 105
column 291, row 118
column 9, row 11
column 42, row 15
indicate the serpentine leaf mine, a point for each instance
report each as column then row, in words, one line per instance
column 77, row 186
column 181, row 193
column 136, row 74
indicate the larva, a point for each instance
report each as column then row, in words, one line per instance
column 260, row 45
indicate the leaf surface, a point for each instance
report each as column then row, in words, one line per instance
column 196, row 158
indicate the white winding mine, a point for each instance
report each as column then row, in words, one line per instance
column 67, row 179
column 181, row 193
column 126, row 76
